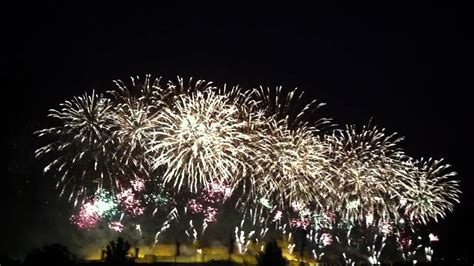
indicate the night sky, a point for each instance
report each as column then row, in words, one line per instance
column 408, row 67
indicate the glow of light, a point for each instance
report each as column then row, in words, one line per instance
column 433, row 237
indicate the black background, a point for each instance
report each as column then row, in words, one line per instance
column 406, row 66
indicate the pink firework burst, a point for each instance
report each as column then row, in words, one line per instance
column 116, row 226
column 386, row 228
column 131, row 204
column 300, row 222
column 216, row 192
column 195, row 206
column 210, row 215
column 87, row 218
column 138, row 184
column 404, row 240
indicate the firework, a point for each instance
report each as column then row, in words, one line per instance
column 195, row 206
column 430, row 191
column 136, row 105
column 195, row 147
column 327, row 239
column 366, row 165
column 116, row 226
column 81, row 149
column 102, row 206
column 105, row 203
column 291, row 108
column 216, row 192
column 129, row 201
column 300, row 222
column 433, row 237
column 87, row 218
column 199, row 139
column 278, row 216
column 210, row 215
column 386, row 228
column 131, row 124
column 149, row 92
column 291, row 166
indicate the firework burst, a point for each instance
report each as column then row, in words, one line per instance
column 197, row 139
column 131, row 123
column 291, row 165
column 366, row 165
column 149, row 91
column 291, row 107
column 81, row 150
column 429, row 190
column 188, row 148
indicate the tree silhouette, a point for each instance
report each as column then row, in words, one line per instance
column 272, row 255
column 55, row 254
column 117, row 252
column 6, row 260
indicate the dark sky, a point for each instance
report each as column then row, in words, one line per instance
column 408, row 67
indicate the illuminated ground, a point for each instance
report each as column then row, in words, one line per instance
column 193, row 254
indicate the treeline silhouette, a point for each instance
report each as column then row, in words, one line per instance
column 118, row 253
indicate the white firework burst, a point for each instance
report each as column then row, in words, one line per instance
column 292, row 108
column 291, row 165
column 366, row 164
column 82, row 150
column 132, row 123
column 199, row 138
column 429, row 190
